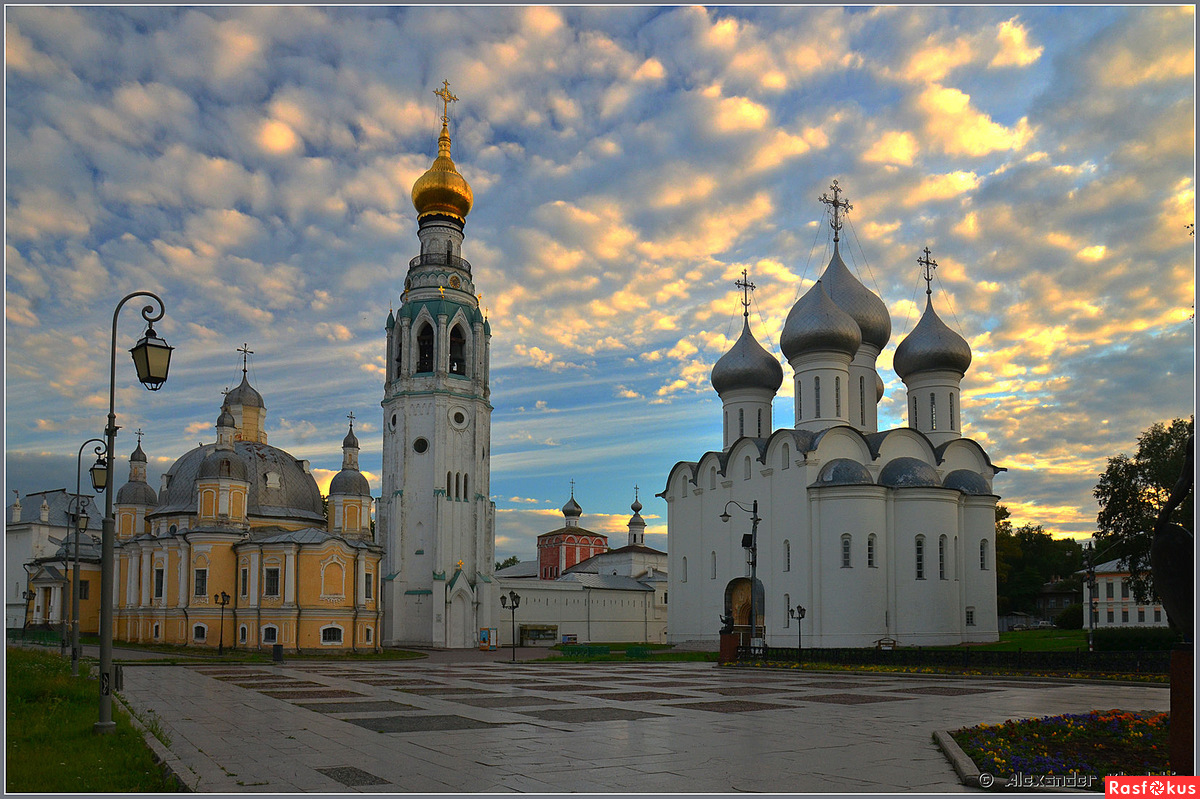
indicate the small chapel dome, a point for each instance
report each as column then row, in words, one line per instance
column 350, row 440
column 879, row 387
column 244, row 395
column 572, row 510
column 908, row 473
column 968, row 482
column 350, row 481
column 136, row 493
column 864, row 306
column 746, row 365
column 442, row 190
column 226, row 418
column 931, row 346
column 843, row 472
column 138, row 454
column 816, row 323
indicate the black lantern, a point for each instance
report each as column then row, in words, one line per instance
column 152, row 358
column 99, row 474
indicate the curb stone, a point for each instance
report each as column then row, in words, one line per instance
column 969, row 773
column 167, row 760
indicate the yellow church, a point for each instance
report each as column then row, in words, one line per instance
column 236, row 548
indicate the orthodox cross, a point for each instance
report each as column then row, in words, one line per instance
column 928, row 265
column 635, row 492
column 572, row 489
column 442, row 291
column 447, row 98
column 245, row 351
column 138, row 432
column 350, row 416
column 746, row 286
column 837, row 206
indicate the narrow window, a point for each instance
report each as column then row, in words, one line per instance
column 846, row 551
column 871, row 551
column 1141, row 615
column 449, row 485
column 932, row 412
column 271, row 581
column 683, row 576
column 983, row 552
column 799, row 402
column 920, row 557
column 760, row 422
column 369, row 585
column 862, row 401
column 837, row 396
column 245, row 581
column 970, row 617
column 953, row 416
column 912, row 415
column 786, row 457
column 817, row 396
column 158, row 583
column 458, row 485
column 200, row 582
column 243, row 632
column 84, row 589
column 713, row 559
column 1124, row 615
column 425, row 348
column 787, row 606
column 746, row 468
column 1108, row 589
column 787, row 555
column 1157, row 614
column 741, row 422
column 1109, row 617
column 942, row 557
column 466, row 493
column 458, row 352
column 1124, row 590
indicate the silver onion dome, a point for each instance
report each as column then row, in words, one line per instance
column 816, row 323
column 350, row 481
column 245, row 395
column 931, row 346
column 746, row 365
column 863, row 305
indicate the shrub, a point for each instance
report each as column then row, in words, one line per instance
column 1071, row 618
column 1135, row 639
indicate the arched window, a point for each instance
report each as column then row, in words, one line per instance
column 331, row 635
column 712, row 556
column 912, row 415
column 746, row 468
column 458, row 485
column 871, row 551
column 425, row 348
column 983, row 555
column 741, row 422
column 712, row 477
column 458, row 351
column 846, row 551
column 942, row 557
column 932, row 411
column 787, row 555
column 817, row 396
column 953, row 417
column 799, row 402
column 920, row 553
column 862, row 401
column 200, row 633
column 683, row 576
column 449, row 485
column 399, row 352
column 243, row 633
column 786, row 457
column 837, row 396
column 466, row 491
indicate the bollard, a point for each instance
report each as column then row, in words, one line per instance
column 277, row 653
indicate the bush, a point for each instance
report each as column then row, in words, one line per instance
column 1135, row 639
column 1071, row 618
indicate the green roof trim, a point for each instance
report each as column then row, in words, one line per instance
column 419, row 591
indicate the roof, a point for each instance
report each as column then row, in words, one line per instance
column 610, row 582
column 574, row 531
column 526, row 568
column 746, row 365
column 61, row 504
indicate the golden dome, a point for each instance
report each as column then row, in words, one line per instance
column 441, row 190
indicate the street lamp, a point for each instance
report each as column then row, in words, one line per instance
column 797, row 613
column 221, row 599
column 28, row 596
column 152, row 359
column 99, row 475
column 511, row 602
column 750, row 543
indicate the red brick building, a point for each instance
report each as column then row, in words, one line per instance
column 559, row 550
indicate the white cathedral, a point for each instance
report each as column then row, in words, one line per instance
column 877, row 535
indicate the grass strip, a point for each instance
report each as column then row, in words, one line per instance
column 49, row 743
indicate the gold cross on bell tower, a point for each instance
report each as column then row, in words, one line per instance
column 837, row 205
column 447, row 98
column 928, row 265
column 746, row 286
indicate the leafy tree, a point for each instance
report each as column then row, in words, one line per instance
column 1026, row 559
column 1071, row 618
column 511, row 560
column 1132, row 491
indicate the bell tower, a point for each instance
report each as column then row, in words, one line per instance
column 436, row 515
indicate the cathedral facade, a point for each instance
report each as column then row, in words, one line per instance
column 435, row 513
column 875, row 534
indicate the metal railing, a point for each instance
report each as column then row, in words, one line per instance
column 440, row 259
column 1076, row 660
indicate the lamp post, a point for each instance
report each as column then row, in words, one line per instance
column 750, row 543
column 511, row 602
column 221, row 599
column 1093, row 610
column 152, row 359
column 28, row 596
column 99, row 475
column 797, row 613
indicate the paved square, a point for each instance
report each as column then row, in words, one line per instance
column 555, row 728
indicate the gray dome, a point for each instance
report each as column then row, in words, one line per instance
column 968, row 482
column 747, row 365
column 879, row 387
column 138, row 454
column 931, row 345
column 817, row 323
column 350, row 481
column 137, row 493
column 245, row 395
column 864, row 306
column 572, row 509
column 293, row 496
column 350, row 440
column 226, row 418
column 908, row 473
column 843, row 472
column 223, row 463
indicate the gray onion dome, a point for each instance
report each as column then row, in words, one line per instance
column 571, row 509
column 350, row 440
column 137, row 493
column 747, row 365
column 816, row 323
column 930, row 346
column 968, row 482
column 226, row 418
column 138, row 454
column 908, row 473
column 863, row 305
column 879, row 387
column 245, row 395
column 350, row 481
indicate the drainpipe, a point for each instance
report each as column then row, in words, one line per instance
column 354, row 621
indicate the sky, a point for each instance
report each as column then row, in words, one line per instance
column 253, row 167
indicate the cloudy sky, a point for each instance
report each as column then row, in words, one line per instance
column 253, row 166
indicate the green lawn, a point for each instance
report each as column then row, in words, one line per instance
column 1032, row 641
column 49, row 743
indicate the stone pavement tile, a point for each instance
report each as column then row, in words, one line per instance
column 588, row 714
column 366, row 706
column 942, row 690
column 637, row 696
column 418, row 723
column 850, row 699
column 729, row 706
column 322, row 693
column 503, row 701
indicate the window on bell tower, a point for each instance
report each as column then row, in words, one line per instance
column 425, row 348
column 458, row 352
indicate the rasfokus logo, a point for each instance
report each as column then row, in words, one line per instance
column 1151, row 786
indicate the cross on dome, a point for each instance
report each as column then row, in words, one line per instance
column 245, row 351
column 837, row 206
column 928, row 265
column 350, row 416
column 746, row 286
column 447, row 98
column 139, row 434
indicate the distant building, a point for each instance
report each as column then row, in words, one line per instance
column 1056, row 596
column 1114, row 603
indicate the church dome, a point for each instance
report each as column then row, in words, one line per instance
column 931, row 346
column 816, row 323
column 864, row 306
column 843, row 472
column 244, row 395
column 747, row 365
column 138, row 454
column 222, row 463
column 226, row 418
column 572, row 510
column 908, row 473
column 350, row 440
column 442, row 190
column 349, row 481
column 136, row 493
column 968, row 482
column 879, row 387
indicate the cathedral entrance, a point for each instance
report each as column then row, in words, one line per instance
column 461, row 634
column 737, row 608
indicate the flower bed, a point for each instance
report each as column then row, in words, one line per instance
column 886, row 669
column 1098, row 744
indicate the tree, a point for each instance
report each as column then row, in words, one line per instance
column 1026, row 559
column 511, row 560
column 1132, row 491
